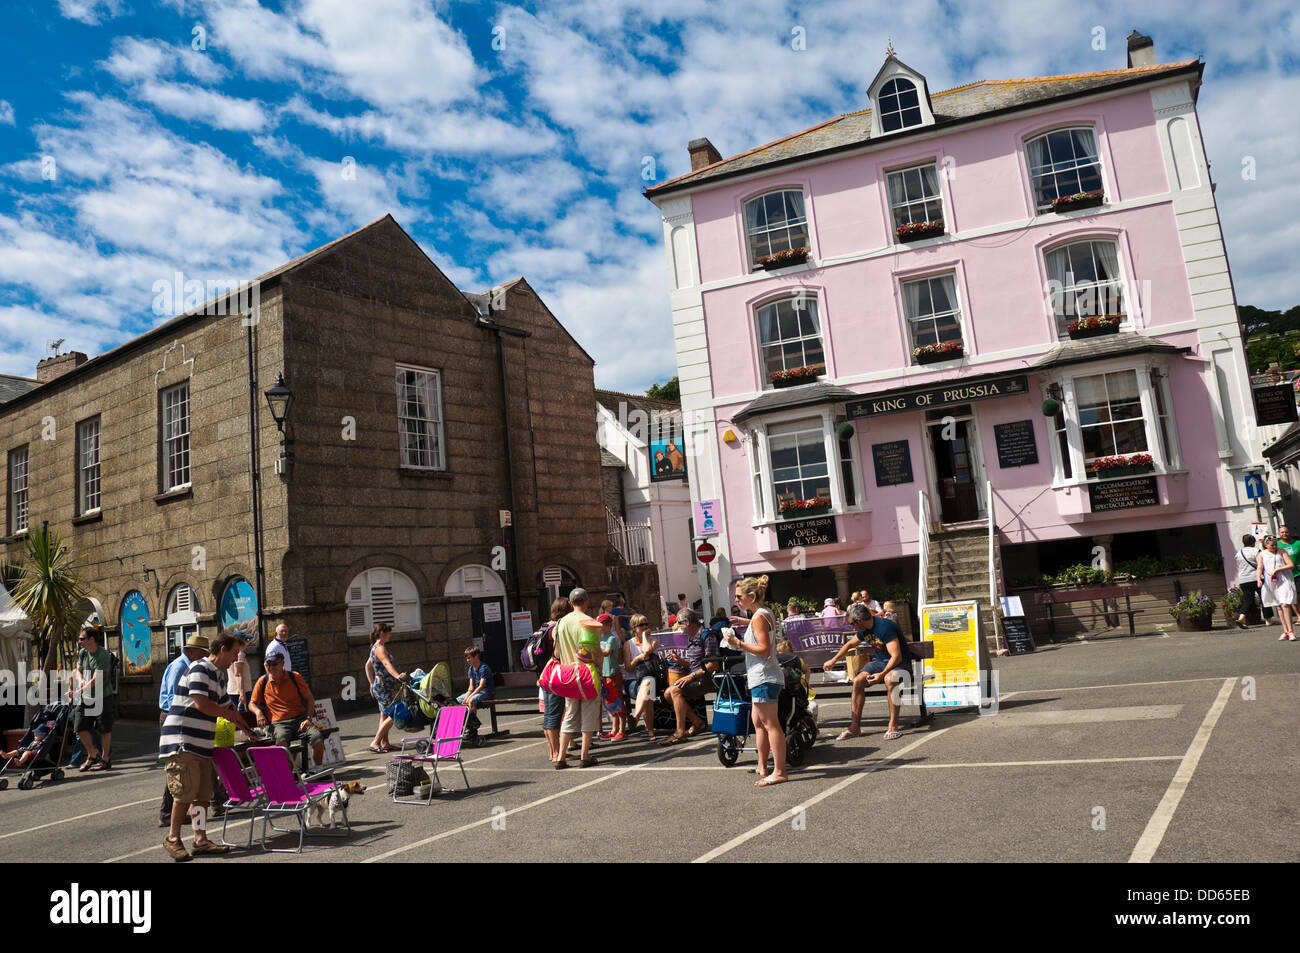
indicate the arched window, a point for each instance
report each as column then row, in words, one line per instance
column 182, row 617
column 383, row 595
column 790, row 336
column 775, row 222
column 1084, row 280
column 558, row 581
column 899, row 105
column 477, row 581
column 1063, row 162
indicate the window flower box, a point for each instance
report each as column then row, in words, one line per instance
column 1068, row 203
column 796, row 376
column 798, row 509
column 933, row 353
column 1120, row 466
column 784, row 259
column 915, row 231
column 1093, row 326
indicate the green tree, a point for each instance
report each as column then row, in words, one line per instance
column 669, row 390
column 49, row 590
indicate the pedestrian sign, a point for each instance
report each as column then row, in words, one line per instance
column 1254, row 486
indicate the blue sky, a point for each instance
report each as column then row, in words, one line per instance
column 511, row 139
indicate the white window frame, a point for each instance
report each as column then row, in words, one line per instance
column 813, row 308
column 907, row 206
column 428, row 429
column 897, row 108
column 788, row 228
column 89, row 485
column 913, row 320
column 399, row 602
column 1164, row 462
column 19, row 463
column 1061, row 321
column 181, row 617
column 1058, row 167
column 762, row 487
column 175, row 451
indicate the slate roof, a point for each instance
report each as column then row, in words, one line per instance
column 1102, row 348
column 951, row 107
column 650, row 406
column 607, row 459
column 785, row 398
column 11, row 387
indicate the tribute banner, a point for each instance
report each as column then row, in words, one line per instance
column 1123, row 494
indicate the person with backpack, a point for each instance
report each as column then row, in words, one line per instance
column 541, row 649
column 96, row 683
column 283, row 702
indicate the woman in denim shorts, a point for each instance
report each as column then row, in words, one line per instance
column 765, row 677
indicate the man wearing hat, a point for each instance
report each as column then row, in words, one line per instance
column 196, row 647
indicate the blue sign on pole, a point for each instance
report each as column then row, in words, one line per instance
column 1254, row 486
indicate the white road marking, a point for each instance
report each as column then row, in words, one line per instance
column 1049, row 761
column 78, row 817
column 1149, row 842
column 1096, row 688
column 523, row 807
column 833, row 789
column 1076, row 716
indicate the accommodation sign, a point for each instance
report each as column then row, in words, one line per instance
column 818, row 531
column 1274, row 405
column 1016, row 446
column 1123, row 494
column 954, row 392
column 893, row 462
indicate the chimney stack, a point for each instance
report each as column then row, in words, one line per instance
column 702, row 154
column 52, row 367
column 1141, row 50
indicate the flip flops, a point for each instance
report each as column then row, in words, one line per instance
column 768, row 781
column 891, row 736
column 845, row 735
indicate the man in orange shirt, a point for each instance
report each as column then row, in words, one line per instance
column 283, row 701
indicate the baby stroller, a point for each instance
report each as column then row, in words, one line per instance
column 45, row 739
column 731, row 711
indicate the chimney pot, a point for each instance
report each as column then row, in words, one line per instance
column 53, row 367
column 702, row 153
column 1141, row 50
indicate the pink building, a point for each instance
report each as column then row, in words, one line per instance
column 1017, row 282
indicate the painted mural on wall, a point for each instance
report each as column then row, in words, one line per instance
column 239, row 609
column 137, row 650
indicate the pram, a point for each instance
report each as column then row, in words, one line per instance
column 731, row 711
column 49, row 747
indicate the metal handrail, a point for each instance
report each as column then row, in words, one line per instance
column 993, row 589
column 922, row 550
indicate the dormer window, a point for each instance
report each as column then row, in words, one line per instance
column 900, row 106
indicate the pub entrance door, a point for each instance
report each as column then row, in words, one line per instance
column 953, row 442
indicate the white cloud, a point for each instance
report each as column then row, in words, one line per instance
column 186, row 101
column 91, row 12
column 6, row 113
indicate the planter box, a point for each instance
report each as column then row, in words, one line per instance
column 786, row 263
column 917, row 234
column 1083, row 333
column 1199, row 624
column 1091, row 202
column 1252, row 617
column 795, row 381
column 803, row 514
column 1114, row 472
column 940, row 356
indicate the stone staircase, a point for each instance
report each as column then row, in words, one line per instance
column 959, row 572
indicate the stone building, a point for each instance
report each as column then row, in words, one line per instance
column 440, row 472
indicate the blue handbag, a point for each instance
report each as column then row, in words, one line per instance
column 730, row 710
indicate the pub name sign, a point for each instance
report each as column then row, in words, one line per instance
column 951, row 393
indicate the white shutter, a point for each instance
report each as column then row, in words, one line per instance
column 184, row 600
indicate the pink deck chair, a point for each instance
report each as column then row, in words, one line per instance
column 242, row 791
column 445, row 740
column 285, row 795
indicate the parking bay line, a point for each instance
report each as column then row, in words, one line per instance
column 840, row 769
column 1149, row 842
column 1076, row 716
column 80, row 817
column 523, row 807
column 833, row 789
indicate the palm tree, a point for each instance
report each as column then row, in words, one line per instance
column 49, row 590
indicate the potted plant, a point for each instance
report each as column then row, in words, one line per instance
column 944, row 351
column 1195, row 613
column 784, row 259
column 1120, row 465
column 1093, row 326
column 1232, row 603
column 798, row 509
column 1068, row 203
column 795, row 376
column 915, row 231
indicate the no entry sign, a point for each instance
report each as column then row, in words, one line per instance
column 705, row 553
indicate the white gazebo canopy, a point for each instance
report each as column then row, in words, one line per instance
column 15, row 631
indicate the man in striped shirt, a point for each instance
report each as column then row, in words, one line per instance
column 186, row 741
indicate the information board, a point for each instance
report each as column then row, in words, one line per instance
column 1123, row 494
column 300, row 658
column 521, row 626
column 1019, row 639
column 324, row 717
column 952, row 677
column 1274, row 405
column 1016, row 444
column 893, row 462
column 817, row 531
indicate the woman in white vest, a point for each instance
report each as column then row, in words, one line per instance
column 765, row 677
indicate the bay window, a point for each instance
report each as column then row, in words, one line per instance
column 803, row 459
column 1110, row 415
column 799, row 465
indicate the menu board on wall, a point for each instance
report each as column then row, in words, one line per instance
column 893, row 462
column 1123, row 494
column 1016, row 444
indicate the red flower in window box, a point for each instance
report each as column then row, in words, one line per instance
column 914, row 231
column 945, row 351
column 793, row 509
column 796, row 375
column 784, row 259
column 1079, row 200
column 1093, row 326
column 1120, row 465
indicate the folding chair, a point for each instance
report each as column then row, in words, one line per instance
column 286, row 795
column 445, row 740
column 242, row 791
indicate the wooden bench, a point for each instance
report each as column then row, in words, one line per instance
column 1065, row 597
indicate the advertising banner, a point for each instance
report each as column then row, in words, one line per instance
column 952, row 677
